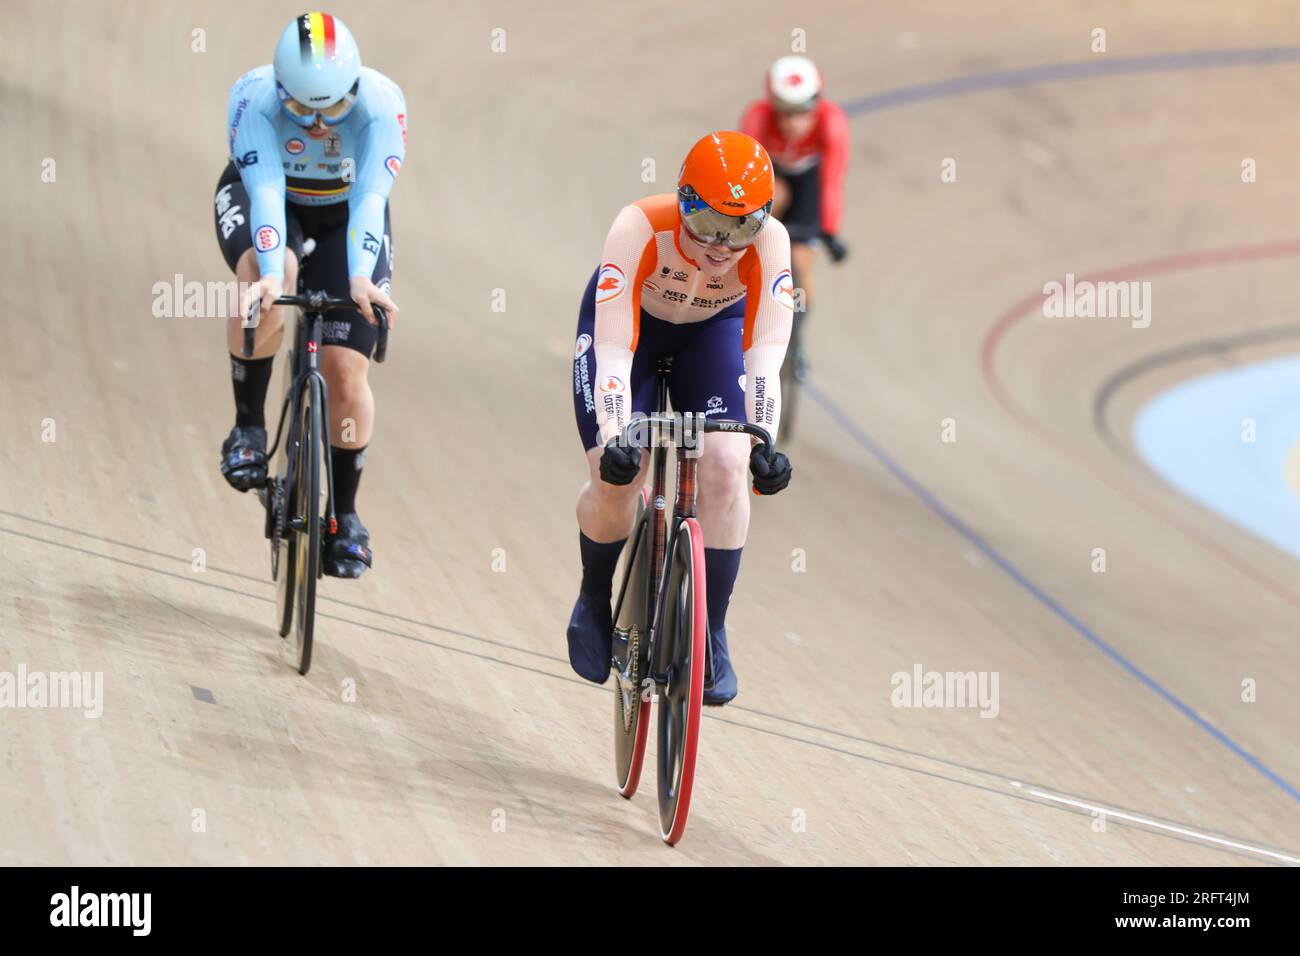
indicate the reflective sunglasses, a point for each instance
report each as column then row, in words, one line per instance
column 709, row 227
column 305, row 116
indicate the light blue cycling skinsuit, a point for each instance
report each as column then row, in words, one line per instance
column 279, row 161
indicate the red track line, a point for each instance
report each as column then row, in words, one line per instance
column 1141, row 270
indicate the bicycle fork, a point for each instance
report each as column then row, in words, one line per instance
column 294, row 402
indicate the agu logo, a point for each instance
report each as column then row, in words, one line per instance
column 783, row 289
column 394, row 165
column 610, row 284
column 611, row 383
column 294, row 146
column 266, row 239
column 584, row 343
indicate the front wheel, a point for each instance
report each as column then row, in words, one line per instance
column 680, row 653
column 283, row 554
column 306, row 562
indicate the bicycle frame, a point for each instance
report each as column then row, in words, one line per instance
column 661, row 650
column 307, row 342
column 690, row 427
column 306, row 352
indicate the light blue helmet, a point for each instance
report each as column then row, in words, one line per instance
column 317, row 61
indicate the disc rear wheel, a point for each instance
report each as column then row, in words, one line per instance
column 631, row 711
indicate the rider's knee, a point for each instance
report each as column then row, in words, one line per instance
column 345, row 371
column 614, row 497
column 723, row 468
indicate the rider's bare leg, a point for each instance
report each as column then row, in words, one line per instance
column 352, row 403
column 605, row 511
column 352, row 415
column 270, row 326
column 724, row 518
column 724, row 490
column 243, row 453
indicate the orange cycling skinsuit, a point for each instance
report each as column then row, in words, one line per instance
column 659, row 291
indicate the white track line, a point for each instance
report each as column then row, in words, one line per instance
column 1121, row 815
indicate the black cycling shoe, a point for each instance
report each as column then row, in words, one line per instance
column 243, row 457
column 591, row 638
column 720, row 684
column 347, row 552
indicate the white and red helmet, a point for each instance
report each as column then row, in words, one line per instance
column 793, row 84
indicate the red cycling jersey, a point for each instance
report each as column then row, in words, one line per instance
column 828, row 140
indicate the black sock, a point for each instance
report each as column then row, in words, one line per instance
column 721, row 565
column 347, row 464
column 251, row 378
column 598, row 562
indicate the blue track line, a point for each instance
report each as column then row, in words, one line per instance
column 1102, row 66
column 1091, row 636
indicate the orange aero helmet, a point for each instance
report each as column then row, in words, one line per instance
column 724, row 191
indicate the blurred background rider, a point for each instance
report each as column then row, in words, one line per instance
column 807, row 137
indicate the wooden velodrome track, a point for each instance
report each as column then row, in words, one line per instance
column 469, row 740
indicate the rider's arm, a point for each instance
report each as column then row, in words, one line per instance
column 381, row 150
column 256, row 151
column 769, row 317
column 835, row 160
column 628, row 257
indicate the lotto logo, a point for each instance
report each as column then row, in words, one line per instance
column 611, row 283
column 394, row 164
column 294, row 146
column 611, row 383
column 584, row 343
column 267, row 239
column 783, row 289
